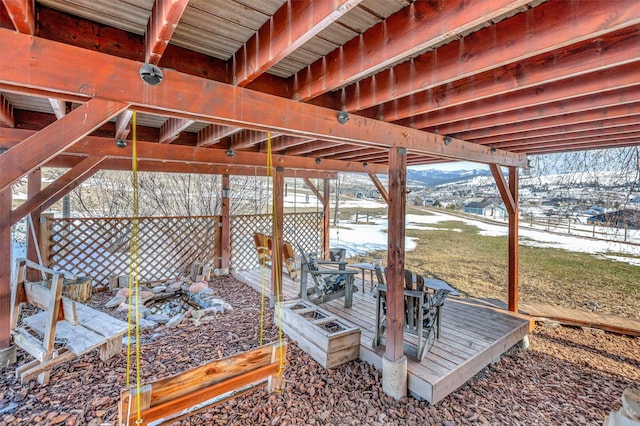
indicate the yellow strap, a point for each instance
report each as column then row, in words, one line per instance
column 134, row 272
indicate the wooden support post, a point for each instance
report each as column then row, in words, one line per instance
column 395, row 253
column 225, row 233
column 326, row 211
column 513, row 241
column 509, row 193
column 278, row 241
column 34, row 186
column 45, row 237
column 5, row 268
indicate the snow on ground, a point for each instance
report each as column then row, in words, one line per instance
column 359, row 239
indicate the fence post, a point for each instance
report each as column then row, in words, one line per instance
column 46, row 223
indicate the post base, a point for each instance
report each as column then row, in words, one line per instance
column 7, row 356
column 394, row 377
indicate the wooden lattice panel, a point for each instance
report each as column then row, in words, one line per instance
column 99, row 247
column 304, row 229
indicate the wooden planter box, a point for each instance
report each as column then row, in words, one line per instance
column 329, row 340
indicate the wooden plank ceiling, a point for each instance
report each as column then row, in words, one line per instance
column 489, row 81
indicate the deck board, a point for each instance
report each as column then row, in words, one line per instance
column 473, row 336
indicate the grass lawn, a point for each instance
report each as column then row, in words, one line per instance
column 477, row 265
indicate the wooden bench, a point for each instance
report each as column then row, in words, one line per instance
column 79, row 327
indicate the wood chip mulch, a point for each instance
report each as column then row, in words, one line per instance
column 568, row 376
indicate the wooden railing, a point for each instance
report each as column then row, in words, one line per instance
column 99, row 247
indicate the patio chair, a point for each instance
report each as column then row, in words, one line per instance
column 264, row 247
column 421, row 312
column 328, row 284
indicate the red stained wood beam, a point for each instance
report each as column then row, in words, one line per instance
column 294, row 24
column 602, row 117
column 22, row 14
column 59, row 188
column 359, row 153
column 587, row 105
column 208, row 101
column 310, row 147
column 503, row 188
column 395, row 253
column 112, row 41
column 6, row 113
column 5, row 268
column 165, row 16
column 550, row 26
column 581, row 131
column 616, row 143
column 600, row 53
column 592, row 142
column 315, row 191
column 380, row 187
column 407, row 32
column 69, row 161
column 213, row 133
column 104, row 146
column 248, row 138
column 171, row 129
column 334, row 151
column 122, row 124
column 55, row 138
column 284, row 143
column 512, row 295
column 590, row 84
column 59, row 107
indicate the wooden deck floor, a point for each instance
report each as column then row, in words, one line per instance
column 472, row 337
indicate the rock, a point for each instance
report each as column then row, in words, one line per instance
column 146, row 324
column 205, row 292
column 159, row 289
column 197, row 287
column 123, row 292
column 217, row 302
column 175, row 320
column 146, row 295
column 175, row 286
column 159, row 318
column 592, row 330
column 116, row 301
column 631, row 403
column 227, row 307
column 196, row 315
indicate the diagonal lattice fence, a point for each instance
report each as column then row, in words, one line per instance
column 99, row 247
column 304, row 229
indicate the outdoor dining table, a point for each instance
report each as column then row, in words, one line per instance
column 431, row 283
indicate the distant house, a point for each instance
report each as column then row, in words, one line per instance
column 486, row 209
column 629, row 219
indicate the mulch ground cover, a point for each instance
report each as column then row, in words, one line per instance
column 567, row 376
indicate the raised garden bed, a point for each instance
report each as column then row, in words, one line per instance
column 329, row 340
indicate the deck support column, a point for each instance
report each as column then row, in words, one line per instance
column 509, row 194
column 326, row 232
column 34, row 186
column 395, row 375
column 513, row 241
column 5, row 273
column 278, row 241
column 224, row 248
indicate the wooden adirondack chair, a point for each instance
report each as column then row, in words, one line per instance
column 329, row 284
column 264, row 248
column 421, row 312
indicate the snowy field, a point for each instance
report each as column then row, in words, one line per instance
column 359, row 239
